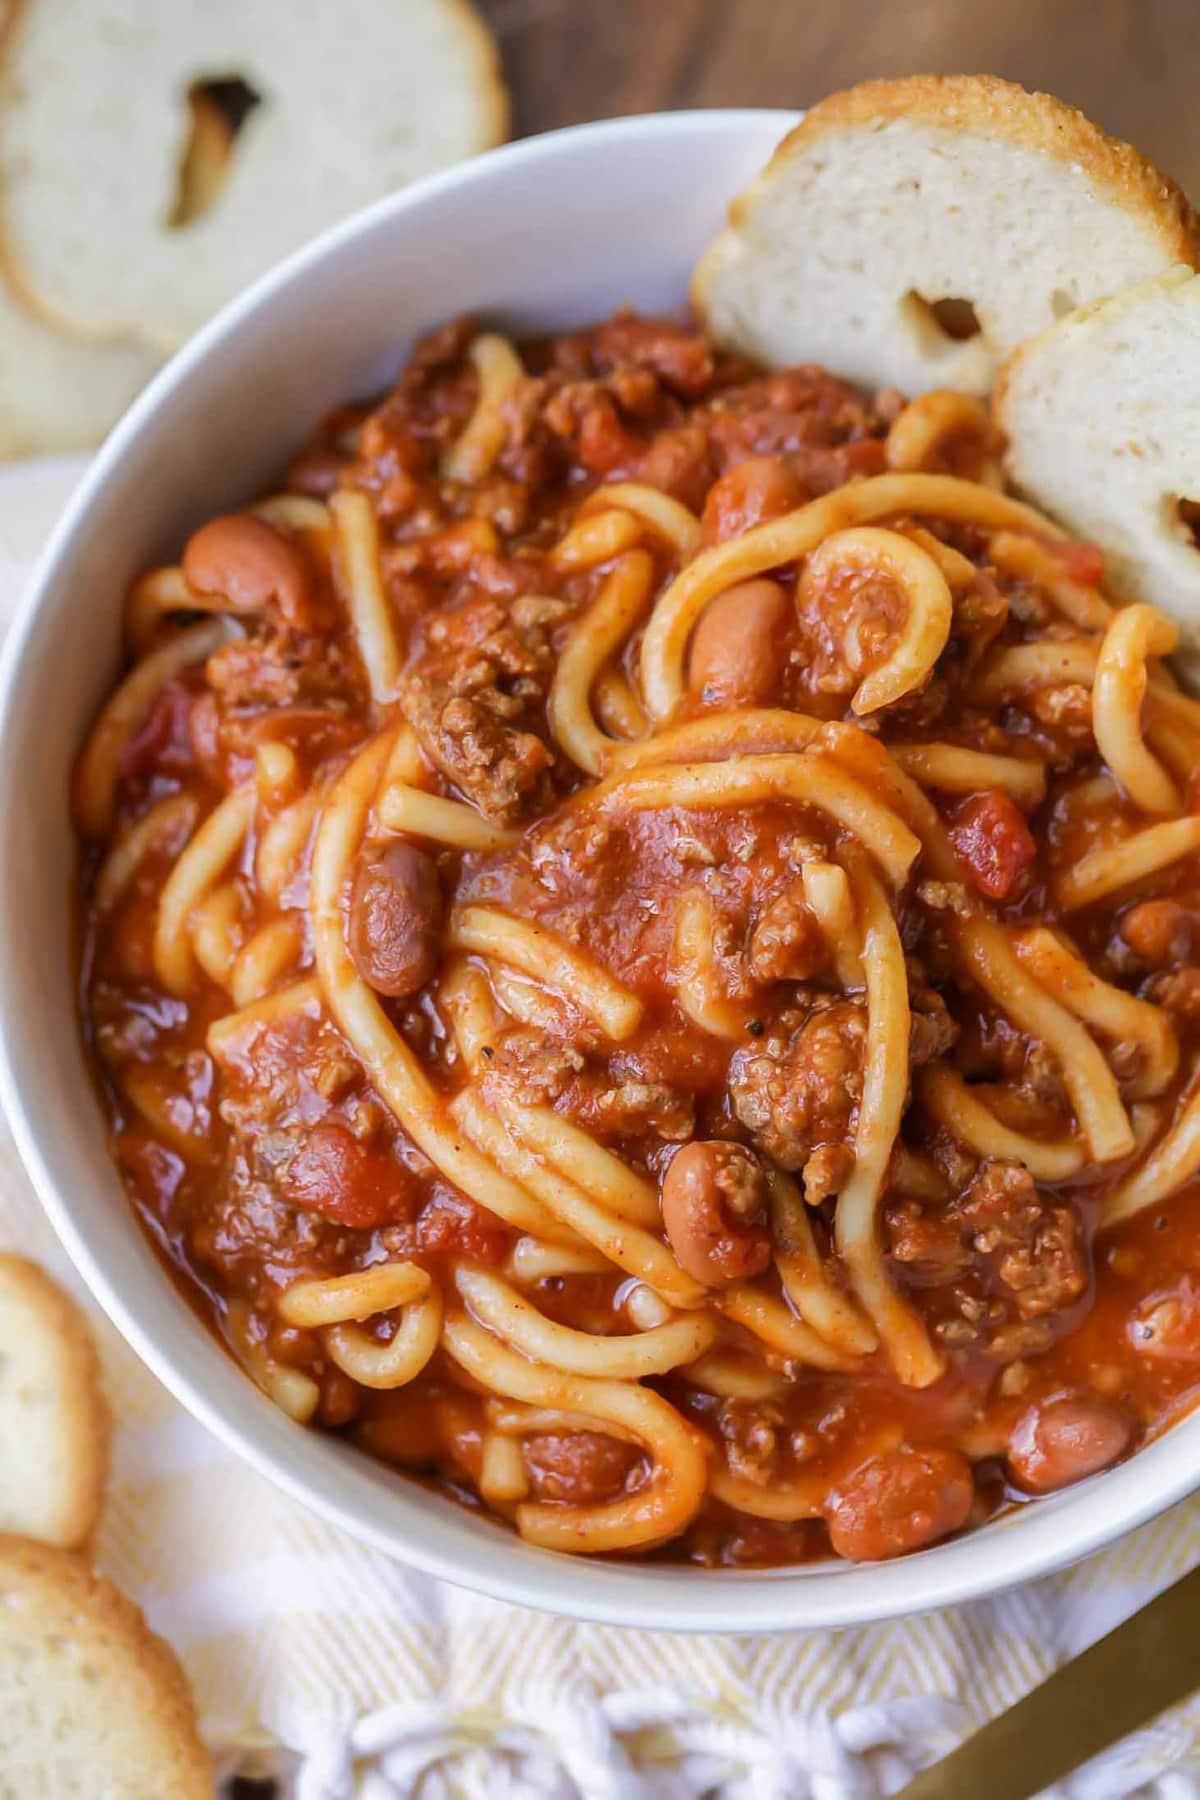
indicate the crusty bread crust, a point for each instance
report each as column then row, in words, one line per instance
column 55, row 1610
column 495, row 103
column 1001, row 109
column 902, row 191
column 72, row 1371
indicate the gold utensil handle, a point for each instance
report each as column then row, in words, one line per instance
column 1123, row 1681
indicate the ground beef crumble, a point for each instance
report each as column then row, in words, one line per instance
column 1022, row 1249
column 800, row 1086
column 475, row 697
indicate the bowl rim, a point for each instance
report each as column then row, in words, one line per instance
column 1018, row 1547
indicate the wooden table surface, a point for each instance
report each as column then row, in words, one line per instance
column 1131, row 64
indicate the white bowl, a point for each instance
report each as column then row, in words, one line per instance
column 554, row 232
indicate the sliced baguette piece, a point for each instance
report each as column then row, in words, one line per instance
column 1102, row 417
column 93, row 1706
column 354, row 99
column 898, row 195
column 54, row 1423
column 59, row 391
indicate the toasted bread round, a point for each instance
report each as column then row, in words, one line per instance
column 53, row 1416
column 1102, row 417
column 91, row 1703
column 891, row 202
column 339, row 104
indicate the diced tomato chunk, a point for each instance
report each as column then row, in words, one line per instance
column 349, row 1182
column 866, row 456
column 992, row 839
column 1084, row 563
column 456, row 1225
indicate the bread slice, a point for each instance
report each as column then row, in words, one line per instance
column 1102, row 416
column 896, row 196
column 93, row 1706
column 354, row 99
column 59, row 391
column 53, row 1417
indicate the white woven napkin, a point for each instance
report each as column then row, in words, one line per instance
column 370, row 1682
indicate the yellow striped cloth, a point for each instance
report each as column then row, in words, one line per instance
column 358, row 1677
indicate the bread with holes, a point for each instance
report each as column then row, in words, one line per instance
column 53, row 1416
column 898, row 195
column 93, row 1706
column 1102, row 417
column 355, row 100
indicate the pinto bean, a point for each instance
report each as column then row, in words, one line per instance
column 738, row 646
column 761, row 487
column 395, row 921
column 713, row 1210
column 254, row 566
column 340, row 1399
column 1160, row 932
column 1060, row 1440
column 898, row 1501
column 578, row 1468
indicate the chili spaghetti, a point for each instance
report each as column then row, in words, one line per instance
column 641, row 942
